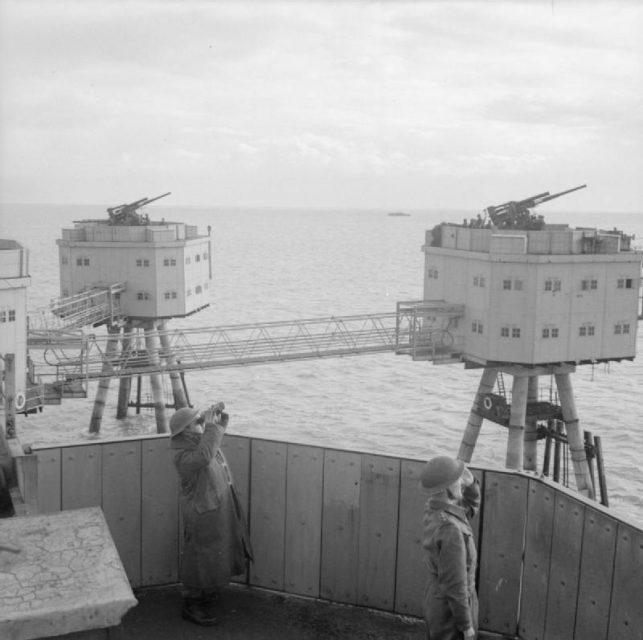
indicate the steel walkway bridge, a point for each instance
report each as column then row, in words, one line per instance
column 420, row 329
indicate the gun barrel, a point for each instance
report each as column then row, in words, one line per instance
column 148, row 200
column 562, row 193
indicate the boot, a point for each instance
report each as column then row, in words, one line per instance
column 195, row 611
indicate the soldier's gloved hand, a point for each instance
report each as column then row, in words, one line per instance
column 222, row 419
column 469, row 633
column 467, row 477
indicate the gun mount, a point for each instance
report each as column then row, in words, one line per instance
column 127, row 214
column 517, row 214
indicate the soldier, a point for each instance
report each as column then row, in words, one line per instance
column 450, row 603
column 216, row 545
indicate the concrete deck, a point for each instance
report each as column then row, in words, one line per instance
column 60, row 573
column 254, row 614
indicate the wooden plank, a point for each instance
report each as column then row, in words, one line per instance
column 81, row 476
column 379, row 506
column 268, row 513
column 237, row 453
column 305, row 477
column 562, row 595
column 159, row 514
column 411, row 571
column 596, row 570
column 536, row 569
column 340, row 526
column 122, row 502
column 236, row 450
column 626, row 616
column 503, row 525
column 49, row 480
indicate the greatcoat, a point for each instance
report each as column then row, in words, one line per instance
column 215, row 538
column 450, row 603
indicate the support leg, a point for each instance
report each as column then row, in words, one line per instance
column 517, row 417
column 124, row 384
column 162, row 425
column 103, row 385
column 468, row 444
column 175, row 377
column 530, row 458
column 574, row 434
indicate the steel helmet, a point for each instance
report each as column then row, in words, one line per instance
column 440, row 472
column 181, row 419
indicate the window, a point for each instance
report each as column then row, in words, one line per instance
column 476, row 327
column 188, row 292
column 86, row 262
column 550, row 332
column 432, row 272
column 65, row 260
column 3, row 316
column 518, row 285
column 545, row 332
column 621, row 328
column 589, row 283
column 504, row 332
column 197, row 257
column 552, row 284
column 198, row 289
column 167, row 295
column 624, row 283
column 188, row 260
column 205, row 256
column 79, row 262
column 515, row 332
column 12, row 315
column 169, row 262
column 506, row 284
column 478, row 281
column 141, row 295
column 142, row 262
column 586, row 330
column 554, row 332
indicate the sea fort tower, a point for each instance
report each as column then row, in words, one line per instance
column 145, row 272
column 537, row 300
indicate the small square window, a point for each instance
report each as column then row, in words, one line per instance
column 548, row 285
column 617, row 329
column 166, row 262
column 620, row 283
column 79, row 262
column 584, row 285
column 173, row 262
column 12, row 315
column 506, row 284
column 146, row 263
column 554, row 332
column 590, row 330
column 479, row 327
column 545, row 333
column 86, row 262
column 626, row 328
column 582, row 331
column 167, row 295
column 173, row 295
column 556, row 285
column 64, row 260
column 593, row 284
column 504, row 332
column 139, row 262
column 3, row 316
column 197, row 258
column 518, row 285
column 515, row 332
column 628, row 283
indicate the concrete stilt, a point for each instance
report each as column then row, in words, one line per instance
column 175, row 377
column 103, row 385
column 574, row 434
column 530, row 456
column 125, row 384
column 162, row 425
column 468, row 444
column 517, row 417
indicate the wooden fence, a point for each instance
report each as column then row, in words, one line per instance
column 346, row 527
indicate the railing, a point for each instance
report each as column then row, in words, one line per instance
column 413, row 329
column 346, row 526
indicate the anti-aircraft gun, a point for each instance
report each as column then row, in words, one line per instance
column 126, row 214
column 517, row 214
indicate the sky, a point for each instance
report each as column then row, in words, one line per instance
column 388, row 105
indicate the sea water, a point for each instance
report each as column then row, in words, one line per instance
column 274, row 264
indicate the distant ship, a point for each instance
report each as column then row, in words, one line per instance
column 399, row 213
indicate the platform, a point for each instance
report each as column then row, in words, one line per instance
column 59, row 574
